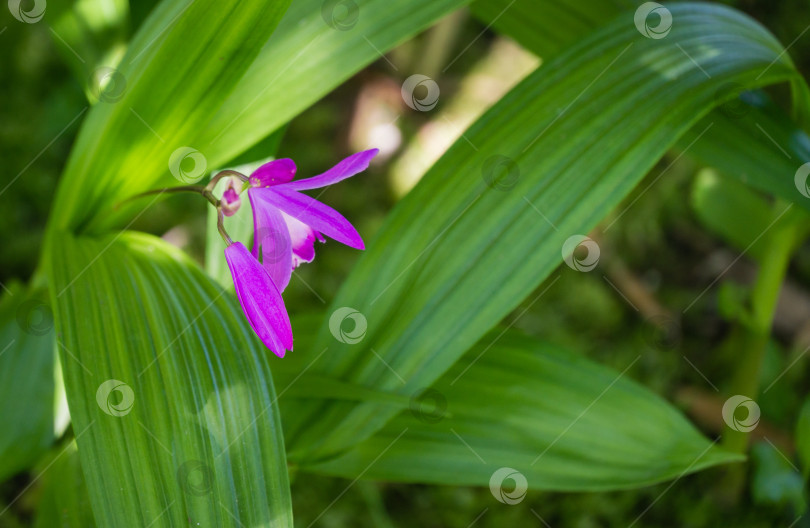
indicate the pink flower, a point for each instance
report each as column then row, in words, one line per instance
column 286, row 224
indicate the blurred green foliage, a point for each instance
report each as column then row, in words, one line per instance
column 661, row 239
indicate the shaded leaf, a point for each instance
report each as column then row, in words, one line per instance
column 563, row 422
column 462, row 238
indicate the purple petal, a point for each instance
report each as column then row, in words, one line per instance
column 260, row 300
column 271, row 240
column 346, row 168
column 313, row 213
column 302, row 238
column 273, row 173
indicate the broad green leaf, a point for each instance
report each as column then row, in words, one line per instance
column 754, row 141
column 776, row 481
column 170, row 393
column 733, row 211
column 318, row 45
column 545, row 26
column 747, row 137
column 562, row 421
column 577, row 136
column 179, row 68
column 29, row 403
column 64, row 501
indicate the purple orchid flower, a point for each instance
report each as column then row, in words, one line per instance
column 286, row 224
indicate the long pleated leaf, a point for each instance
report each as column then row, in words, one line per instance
column 178, row 70
column 318, row 45
column 28, row 375
column 747, row 137
column 562, row 422
column 64, row 501
column 577, row 135
column 170, row 393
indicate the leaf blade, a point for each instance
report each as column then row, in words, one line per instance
column 171, row 395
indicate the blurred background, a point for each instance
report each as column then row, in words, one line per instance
column 660, row 256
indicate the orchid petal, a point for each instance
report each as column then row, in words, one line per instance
column 260, row 300
column 313, row 213
column 271, row 241
column 348, row 167
column 302, row 240
column 273, row 173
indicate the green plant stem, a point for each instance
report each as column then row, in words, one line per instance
column 780, row 243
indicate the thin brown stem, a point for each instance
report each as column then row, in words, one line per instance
column 221, row 226
column 198, row 189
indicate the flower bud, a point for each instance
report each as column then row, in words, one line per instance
column 230, row 198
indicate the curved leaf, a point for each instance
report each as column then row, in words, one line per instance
column 579, row 134
column 563, row 422
column 170, row 393
column 750, row 137
column 176, row 73
column 28, row 373
column 309, row 55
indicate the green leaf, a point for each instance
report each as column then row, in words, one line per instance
column 754, row 141
column 563, row 422
column 178, row 70
column 776, row 480
column 574, row 137
column 28, row 374
column 64, row 502
column 170, row 393
column 546, row 27
column 747, row 137
column 733, row 211
column 313, row 51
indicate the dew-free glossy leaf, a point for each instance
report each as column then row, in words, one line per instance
column 578, row 135
column 563, row 422
column 170, row 393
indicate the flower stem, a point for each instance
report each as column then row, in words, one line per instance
column 221, row 227
column 221, row 174
column 756, row 330
column 197, row 189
